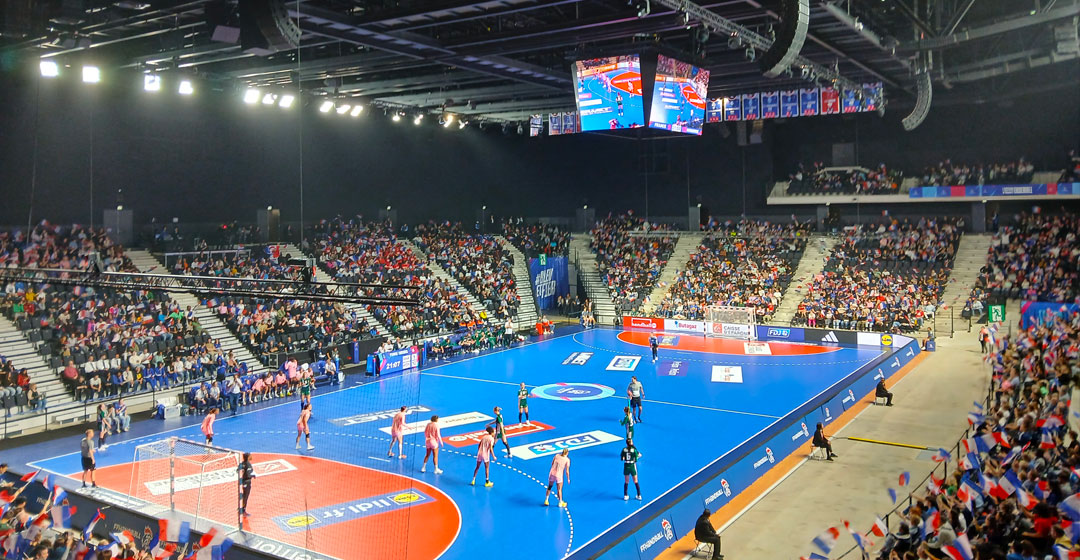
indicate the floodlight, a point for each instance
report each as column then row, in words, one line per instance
column 49, row 69
column 461, row 124
column 396, row 117
column 326, row 106
column 418, row 119
column 356, row 110
column 342, row 109
column 91, row 74
column 185, row 88
column 269, row 99
column 251, row 96
column 286, row 101
column 152, row 82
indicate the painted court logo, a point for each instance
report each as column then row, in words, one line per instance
column 556, row 445
column 573, row 392
column 624, row 363
column 216, row 477
column 512, row 430
column 577, row 358
column 348, row 511
column 376, row 416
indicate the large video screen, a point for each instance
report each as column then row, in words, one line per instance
column 679, row 96
column 609, row 93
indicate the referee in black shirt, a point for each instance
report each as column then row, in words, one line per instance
column 247, row 474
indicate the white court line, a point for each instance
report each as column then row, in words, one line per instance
column 612, row 397
column 383, row 459
column 222, row 419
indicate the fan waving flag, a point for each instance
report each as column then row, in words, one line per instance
column 879, row 529
column 1046, row 440
column 905, row 478
column 174, row 531
column 89, row 530
column 960, row 549
column 1063, row 553
column 61, row 516
column 1071, row 507
column 826, row 540
column 941, row 456
column 28, row 476
column 860, row 540
column 813, row 556
column 969, row 462
column 1025, row 499
column 892, row 495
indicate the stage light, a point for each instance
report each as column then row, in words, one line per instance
column 356, row 110
column 461, row 124
column 326, row 106
column 152, row 82
column 91, row 74
column 49, row 69
column 342, row 109
column 447, row 120
column 251, row 96
column 185, row 88
column 269, row 99
column 396, row 117
column 286, row 101
column 419, row 118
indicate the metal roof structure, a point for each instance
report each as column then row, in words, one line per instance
column 507, row 59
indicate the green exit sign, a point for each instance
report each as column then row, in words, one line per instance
column 543, row 259
column 997, row 313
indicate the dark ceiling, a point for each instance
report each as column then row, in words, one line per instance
column 507, row 59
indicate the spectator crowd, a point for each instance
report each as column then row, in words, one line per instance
column 947, row 173
column 745, row 263
column 535, row 238
column 884, row 277
column 630, row 253
column 818, row 179
column 478, row 262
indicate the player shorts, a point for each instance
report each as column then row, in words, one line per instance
column 522, row 403
column 635, row 402
column 88, row 464
column 431, row 445
column 305, row 391
column 554, row 480
column 629, row 469
column 499, row 435
column 483, row 460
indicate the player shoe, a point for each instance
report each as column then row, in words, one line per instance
column 625, row 497
column 489, row 484
column 423, row 468
column 562, row 504
column 298, row 446
column 310, row 447
column 639, row 497
column 402, row 456
column 472, row 482
column 438, row 471
column 545, row 501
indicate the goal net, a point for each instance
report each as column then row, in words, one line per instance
column 197, row 479
column 731, row 322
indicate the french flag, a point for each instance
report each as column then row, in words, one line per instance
column 1025, row 499
column 941, row 456
column 174, row 531
column 966, row 494
column 61, row 516
column 879, row 529
column 124, row 538
column 59, row 495
column 1071, row 507
column 826, row 540
column 1063, row 553
column 1012, row 454
column 892, row 495
column 1042, row 490
column 931, row 523
column 813, row 556
column 905, row 478
column 89, row 530
column 970, row 446
column 969, row 462
column 960, row 549
column 975, row 419
column 1046, row 440
column 29, row 476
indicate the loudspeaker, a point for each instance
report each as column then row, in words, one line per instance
column 924, row 95
column 789, row 39
column 265, row 27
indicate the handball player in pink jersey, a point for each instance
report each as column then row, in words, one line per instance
column 208, row 426
column 397, row 433
column 560, row 464
column 302, row 428
column 485, row 454
column 432, row 441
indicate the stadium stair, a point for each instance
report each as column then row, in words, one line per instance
column 441, row 273
column 360, row 309
column 970, row 258
column 527, row 311
column 811, row 264
column 595, row 288
column 211, row 324
column 688, row 245
column 23, row 354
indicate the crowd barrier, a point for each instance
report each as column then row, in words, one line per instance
column 993, row 191
column 651, row 530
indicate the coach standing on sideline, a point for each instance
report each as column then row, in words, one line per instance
column 88, row 462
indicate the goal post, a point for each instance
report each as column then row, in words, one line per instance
column 200, row 480
column 727, row 321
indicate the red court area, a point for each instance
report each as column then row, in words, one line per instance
column 629, row 82
column 339, row 510
column 699, row 343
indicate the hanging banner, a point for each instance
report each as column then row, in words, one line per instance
column 550, row 279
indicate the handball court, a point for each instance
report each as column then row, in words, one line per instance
column 347, row 500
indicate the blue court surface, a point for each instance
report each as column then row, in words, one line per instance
column 578, row 387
